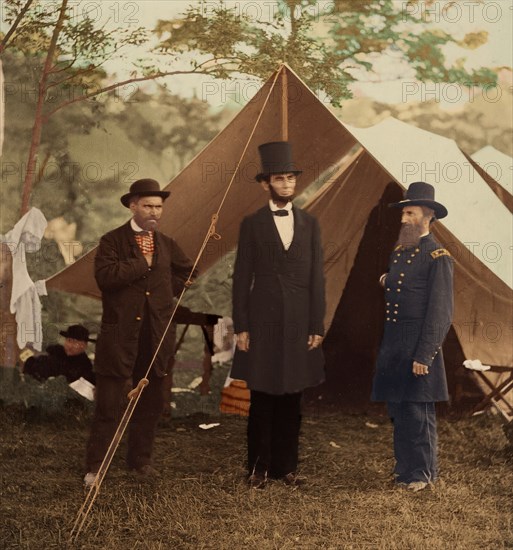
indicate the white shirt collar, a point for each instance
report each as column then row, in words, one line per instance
column 135, row 227
column 274, row 208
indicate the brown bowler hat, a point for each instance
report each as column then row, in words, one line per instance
column 144, row 188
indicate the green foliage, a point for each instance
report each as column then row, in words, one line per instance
column 228, row 43
column 56, row 183
column 183, row 126
column 425, row 56
column 388, row 26
column 82, row 46
column 323, row 47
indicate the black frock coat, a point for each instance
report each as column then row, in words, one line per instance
column 419, row 306
column 131, row 290
column 278, row 297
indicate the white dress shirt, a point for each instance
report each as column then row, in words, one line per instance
column 284, row 224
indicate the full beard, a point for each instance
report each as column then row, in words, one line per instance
column 150, row 225
column 409, row 235
column 278, row 198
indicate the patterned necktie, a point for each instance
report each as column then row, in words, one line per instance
column 145, row 241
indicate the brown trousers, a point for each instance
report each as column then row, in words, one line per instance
column 111, row 400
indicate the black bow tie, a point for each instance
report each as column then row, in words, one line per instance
column 280, row 212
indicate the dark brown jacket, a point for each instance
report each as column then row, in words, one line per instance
column 129, row 288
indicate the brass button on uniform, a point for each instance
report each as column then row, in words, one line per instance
column 137, row 318
column 147, row 293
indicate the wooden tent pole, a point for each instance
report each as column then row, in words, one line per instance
column 284, row 105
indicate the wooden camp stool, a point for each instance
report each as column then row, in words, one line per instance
column 496, row 393
column 206, row 321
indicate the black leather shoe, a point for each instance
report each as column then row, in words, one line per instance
column 293, row 480
column 257, row 480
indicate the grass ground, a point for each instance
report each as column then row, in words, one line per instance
column 202, row 502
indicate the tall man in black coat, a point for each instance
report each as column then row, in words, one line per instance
column 139, row 270
column 410, row 372
column 278, row 313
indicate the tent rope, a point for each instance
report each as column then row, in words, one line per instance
column 135, row 394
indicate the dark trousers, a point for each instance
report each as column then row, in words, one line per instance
column 415, row 441
column 111, row 401
column 273, row 433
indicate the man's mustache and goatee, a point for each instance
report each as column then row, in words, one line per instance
column 409, row 235
column 278, row 198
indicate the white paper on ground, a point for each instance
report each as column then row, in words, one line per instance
column 84, row 388
column 209, row 426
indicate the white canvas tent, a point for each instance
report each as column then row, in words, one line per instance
column 497, row 164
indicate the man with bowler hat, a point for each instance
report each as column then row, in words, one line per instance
column 410, row 373
column 139, row 270
column 69, row 359
column 278, row 313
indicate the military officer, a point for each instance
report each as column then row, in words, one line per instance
column 410, row 374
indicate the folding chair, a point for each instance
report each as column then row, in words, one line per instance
column 496, row 383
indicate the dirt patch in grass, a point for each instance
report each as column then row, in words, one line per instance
column 202, row 502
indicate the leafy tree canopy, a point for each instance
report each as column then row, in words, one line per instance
column 323, row 47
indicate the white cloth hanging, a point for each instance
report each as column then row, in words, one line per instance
column 24, row 237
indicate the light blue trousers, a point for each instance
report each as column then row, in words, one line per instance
column 415, row 441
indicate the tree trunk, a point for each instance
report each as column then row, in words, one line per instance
column 38, row 117
column 8, row 347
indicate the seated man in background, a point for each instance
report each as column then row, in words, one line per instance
column 69, row 360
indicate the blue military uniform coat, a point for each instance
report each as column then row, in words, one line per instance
column 419, row 306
